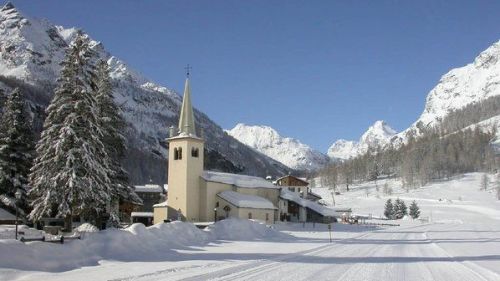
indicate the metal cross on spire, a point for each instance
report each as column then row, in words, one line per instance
column 188, row 68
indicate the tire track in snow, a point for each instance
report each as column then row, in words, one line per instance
column 261, row 266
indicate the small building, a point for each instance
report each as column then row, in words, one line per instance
column 298, row 185
column 160, row 212
column 150, row 195
column 297, row 209
column 240, row 205
column 145, row 218
column 6, row 217
column 295, row 184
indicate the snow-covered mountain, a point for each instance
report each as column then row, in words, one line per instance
column 288, row 151
column 30, row 53
column 378, row 135
column 459, row 87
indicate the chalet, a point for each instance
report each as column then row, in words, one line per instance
column 298, row 185
column 150, row 195
column 297, row 209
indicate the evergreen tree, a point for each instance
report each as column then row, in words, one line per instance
column 16, row 152
column 113, row 127
column 389, row 209
column 414, row 210
column 70, row 175
column 400, row 209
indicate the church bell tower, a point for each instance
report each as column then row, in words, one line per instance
column 185, row 164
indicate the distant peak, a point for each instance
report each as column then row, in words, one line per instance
column 9, row 10
column 8, row 6
column 381, row 126
column 241, row 126
column 11, row 17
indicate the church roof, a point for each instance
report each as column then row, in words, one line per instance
column 241, row 200
column 237, row 180
column 186, row 120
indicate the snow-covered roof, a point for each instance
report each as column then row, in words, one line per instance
column 320, row 209
column 237, row 180
column 314, row 194
column 241, row 200
column 4, row 215
column 148, row 188
column 142, row 214
column 162, row 204
column 301, row 179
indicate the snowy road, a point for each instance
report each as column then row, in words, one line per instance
column 406, row 253
column 462, row 243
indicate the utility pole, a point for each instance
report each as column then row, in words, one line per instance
column 330, row 231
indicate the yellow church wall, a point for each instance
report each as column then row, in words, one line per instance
column 208, row 199
column 184, row 178
column 264, row 215
column 233, row 213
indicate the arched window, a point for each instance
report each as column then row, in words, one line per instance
column 195, row 152
column 176, row 154
column 179, row 150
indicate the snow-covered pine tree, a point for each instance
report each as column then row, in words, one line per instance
column 70, row 172
column 113, row 127
column 16, row 152
column 389, row 209
column 414, row 210
column 400, row 209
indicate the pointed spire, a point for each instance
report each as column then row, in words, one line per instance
column 186, row 121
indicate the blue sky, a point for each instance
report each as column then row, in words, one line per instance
column 313, row 70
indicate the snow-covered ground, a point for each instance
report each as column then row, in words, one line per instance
column 462, row 242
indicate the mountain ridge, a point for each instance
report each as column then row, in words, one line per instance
column 289, row 151
column 31, row 50
column 377, row 135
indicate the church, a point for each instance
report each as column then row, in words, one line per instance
column 196, row 195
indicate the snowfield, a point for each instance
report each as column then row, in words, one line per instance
column 460, row 242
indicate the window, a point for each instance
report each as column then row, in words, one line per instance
column 176, row 154
column 292, row 189
column 179, row 151
column 249, row 216
column 267, row 216
column 194, row 152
